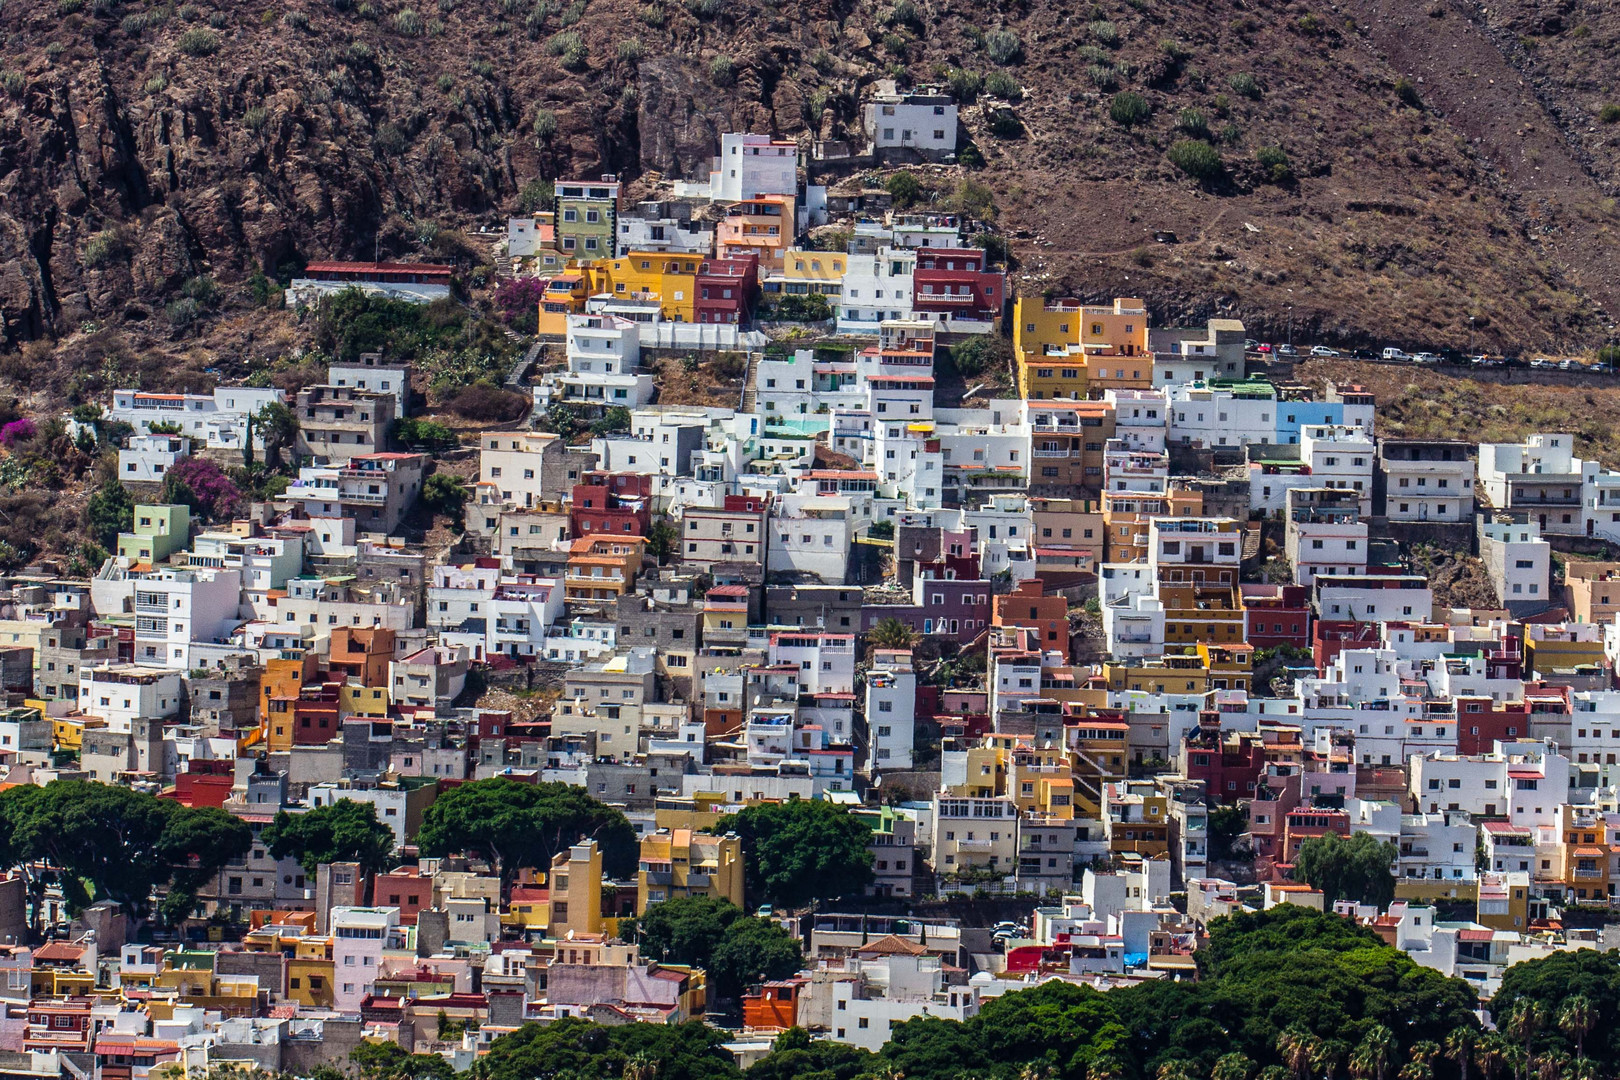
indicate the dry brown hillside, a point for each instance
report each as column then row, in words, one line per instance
column 1439, row 164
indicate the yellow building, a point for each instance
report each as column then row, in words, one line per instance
column 1066, row 349
column 806, row 273
column 309, row 976
column 576, row 890
column 528, row 910
column 565, row 294
column 667, row 277
column 356, row 700
column 1563, row 649
column 677, row 863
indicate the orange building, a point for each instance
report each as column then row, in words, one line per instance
column 1067, row 439
column 1126, row 515
column 361, row 654
column 1026, row 606
column 763, row 225
column 602, row 567
column 775, row 1007
column 283, row 677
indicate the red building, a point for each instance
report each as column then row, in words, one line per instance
column 1481, row 722
column 312, row 715
column 957, row 283
column 405, row 888
column 392, row 273
column 1276, row 615
column 1047, row 615
column 204, row 783
column 726, row 289
column 1330, row 637
column 616, row 503
column 1228, row 762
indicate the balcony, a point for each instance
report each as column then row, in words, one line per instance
column 1055, row 453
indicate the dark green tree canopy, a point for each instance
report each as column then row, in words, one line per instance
column 1354, row 869
column 342, row 831
column 1287, row 984
column 516, row 825
column 734, row 949
column 801, row 850
column 123, row 843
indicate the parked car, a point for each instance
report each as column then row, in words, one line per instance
column 1263, row 347
column 1425, row 358
column 1394, row 354
column 1323, row 350
column 1480, row 361
column 1286, row 350
column 1541, row 362
column 1570, row 365
column 1250, row 344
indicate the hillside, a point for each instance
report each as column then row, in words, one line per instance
column 1436, row 166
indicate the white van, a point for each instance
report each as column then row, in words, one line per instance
column 1394, row 354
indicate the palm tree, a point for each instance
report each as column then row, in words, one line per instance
column 1233, row 1066
column 1416, row 1070
column 1522, row 1024
column 1177, row 1069
column 641, row 1067
column 1106, row 1068
column 1326, row 1057
column 1425, row 1052
column 1460, row 1048
column 1296, row 1046
column 1488, row 1055
column 1379, row 1047
column 1553, row 1066
column 1576, row 1018
column 279, row 427
column 1361, row 1064
column 1586, row 1069
column 891, row 633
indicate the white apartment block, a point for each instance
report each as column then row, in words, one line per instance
column 378, row 376
column 1222, row 415
column 922, row 122
column 1426, row 481
column 122, row 695
column 175, row 609
column 876, row 287
column 891, row 703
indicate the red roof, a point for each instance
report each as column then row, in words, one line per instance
column 1475, row 935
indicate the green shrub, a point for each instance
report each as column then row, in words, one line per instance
column 296, row 19
column 1004, row 124
column 722, row 72
column 69, row 7
column 812, row 307
column 1002, row 85
column 895, row 44
column 1310, row 25
column 255, row 118
column 1245, row 85
column 905, row 13
column 561, row 42
column 545, row 125
column 1104, row 33
column 1196, row 158
column 630, row 50
column 408, row 22
column 219, row 20
column 1609, row 114
column 652, row 15
column 903, row 189
column 198, row 42
column 1175, row 51
column 1274, row 161
column 1003, row 46
column 1193, row 123
column 483, row 69
column 390, row 140
column 534, row 23
column 1091, row 54
column 1231, row 134
column 445, row 83
column 706, row 9
column 1407, row 92
column 183, row 312
column 156, row 84
column 14, row 83
column 1103, row 77
column 576, row 56
column 964, row 85
column 54, row 50
column 105, row 248
column 1129, row 109
column 572, row 14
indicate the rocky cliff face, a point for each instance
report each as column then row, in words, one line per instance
column 143, row 144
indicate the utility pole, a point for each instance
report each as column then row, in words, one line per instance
column 1470, row 335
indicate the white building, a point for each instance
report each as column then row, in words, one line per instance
column 122, row 694
column 748, row 166
column 876, row 287
column 175, row 609
column 148, row 458
column 891, row 704
column 218, row 420
column 921, row 122
column 376, row 375
column 1519, row 562
column 663, row 234
column 810, row 534
column 1426, row 481
column 604, row 367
